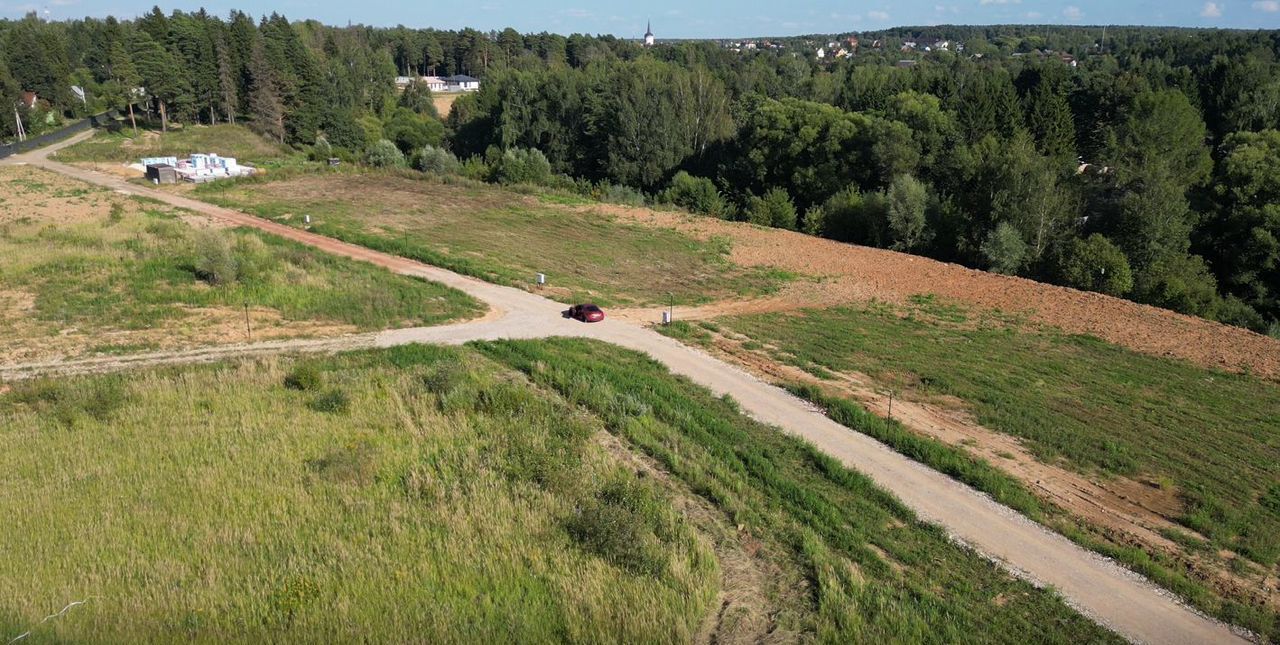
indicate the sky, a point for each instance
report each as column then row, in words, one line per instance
column 706, row 19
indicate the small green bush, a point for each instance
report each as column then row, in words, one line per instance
column 384, row 154
column 215, row 262
column 304, row 377
column 774, row 209
column 353, row 463
column 522, row 166
column 619, row 194
column 333, row 401
column 697, row 195
column 436, row 161
column 621, row 524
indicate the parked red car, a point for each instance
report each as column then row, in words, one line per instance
column 586, row 313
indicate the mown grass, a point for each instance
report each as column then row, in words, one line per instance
column 226, row 140
column 130, row 265
column 875, row 573
column 448, row 500
column 1080, row 402
column 500, row 236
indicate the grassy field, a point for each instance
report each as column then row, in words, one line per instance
column 81, row 262
column 225, row 140
column 439, row 491
column 501, row 236
column 1213, row 437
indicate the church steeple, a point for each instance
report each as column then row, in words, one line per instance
column 648, row 34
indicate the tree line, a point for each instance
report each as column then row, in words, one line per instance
column 1142, row 165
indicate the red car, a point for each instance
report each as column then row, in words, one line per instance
column 586, row 313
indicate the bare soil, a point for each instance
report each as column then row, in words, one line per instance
column 847, row 273
column 444, row 103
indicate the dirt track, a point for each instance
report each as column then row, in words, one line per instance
column 857, row 274
column 1112, row 595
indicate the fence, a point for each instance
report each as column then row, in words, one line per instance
column 95, row 121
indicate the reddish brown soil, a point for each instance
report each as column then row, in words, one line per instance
column 849, row 273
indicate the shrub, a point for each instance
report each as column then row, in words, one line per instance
column 1005, row 249
column 619, row 194
column 697, row 195
column 1095, row 264
column 815, row 221
column 774, row 209
column 522, row 166
column 304, row 376
column 436, row 161
column 476, row 169
column 353, row 463
column 1182, row 283
column 321, row 150
column 332, row 401
column 621, row 524
column 215, row 263
column 384, row 154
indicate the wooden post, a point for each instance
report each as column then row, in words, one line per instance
column 891, row 405
column 247, row 330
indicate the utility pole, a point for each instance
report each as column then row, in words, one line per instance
column 22, row 134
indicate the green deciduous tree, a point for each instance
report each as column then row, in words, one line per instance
column 908, row 199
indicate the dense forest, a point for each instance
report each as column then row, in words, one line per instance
column 1145, row 165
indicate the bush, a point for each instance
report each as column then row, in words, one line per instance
column 476, row 169
column 774, row 209
column 215, row 263
column 436, row 161
column 384, row 154
column 1234, row 311
column 850, row 216
column 1095, row 264
column 815, row 220
column 522, row 166
column 304, row 377
column 321, row 150
column 697, row 195
column 1182, row 283
column 621, row 524
column 1004, row 249
column 353, row 463
column 332, row 401
column 619, row 194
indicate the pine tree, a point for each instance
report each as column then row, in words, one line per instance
column 161, row 74
column 125, row 76
column 264, row 99
column 1050, row 122
column 227, row 85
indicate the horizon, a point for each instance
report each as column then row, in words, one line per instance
column 716, row 20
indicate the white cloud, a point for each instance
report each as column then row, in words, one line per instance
column 1072, row 13
column 987, row 2
column 1269, row 6
column 1033, row 15
column 1211, row 10
column 878, row 15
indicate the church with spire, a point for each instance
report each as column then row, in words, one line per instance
column 648, row 34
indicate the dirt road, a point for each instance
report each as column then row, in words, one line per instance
column 1110, row 594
